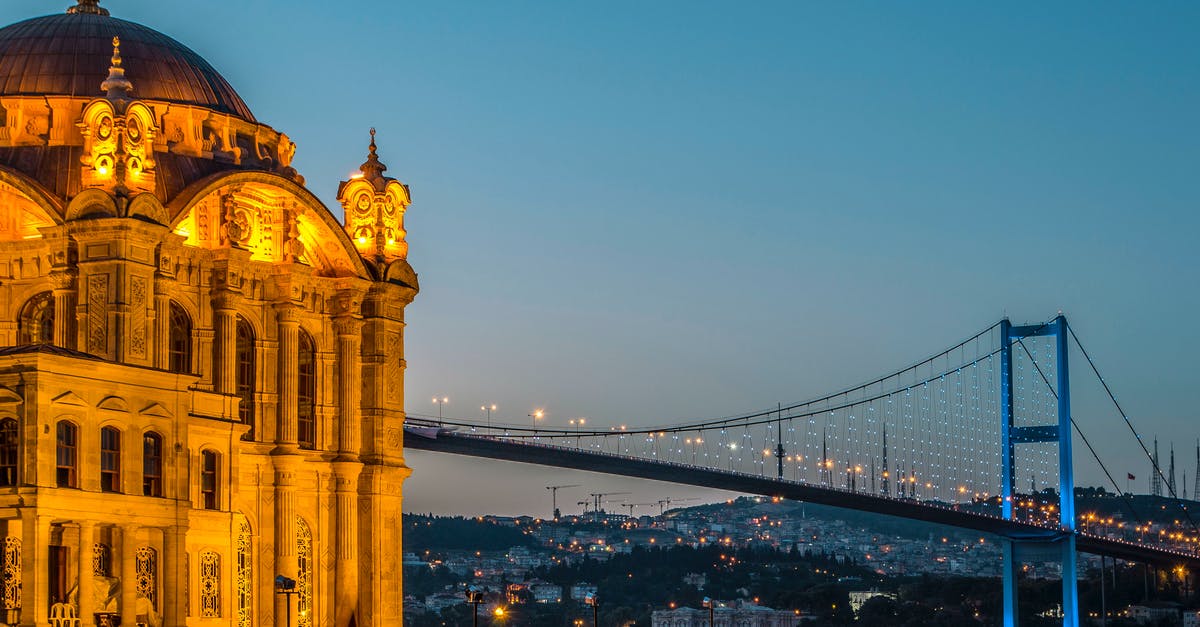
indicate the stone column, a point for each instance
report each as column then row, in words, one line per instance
column 35, row 568
column 349, row 330
column 172, row 584
column 64, row 307
column 286, row 432
column 285, row 531
column 225, row 321
column 87, row 578
column 129, row 574
column 346, row 530
column 162, row 322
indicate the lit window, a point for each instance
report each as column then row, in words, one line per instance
column 306, row 396
column 179, row 341
column 244, row 352
column 36, row 324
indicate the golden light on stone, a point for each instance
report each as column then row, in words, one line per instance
column 217, row 331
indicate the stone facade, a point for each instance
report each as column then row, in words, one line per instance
column 201, row 368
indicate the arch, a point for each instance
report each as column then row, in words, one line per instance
column 91, row 203
column 210, row 475
column 66, row 454
column 246, row 371
column 152, row 464
column 49, row 207
column 35, row 323
column 306, row 391
column 179, row 339
column 183, row 204
column 147, row 207
column 9, row 452
column 110, row 459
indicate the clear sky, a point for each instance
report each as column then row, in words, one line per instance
column 645, row 212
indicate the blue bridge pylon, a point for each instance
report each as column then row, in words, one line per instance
column 1013, row 435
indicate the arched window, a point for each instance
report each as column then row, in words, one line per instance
column 36, row 324
column 304, row 573
column 110, row 460
column 244, row 356
column 306, row 396
column 209, row 462
column 179, row 340
column 245, row 576
column 152, row 468
column 67, row 455
column 8, row 453
column 210, row 584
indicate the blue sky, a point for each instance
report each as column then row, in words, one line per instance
column 648, row 212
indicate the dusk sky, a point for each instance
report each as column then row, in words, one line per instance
column 651, row 212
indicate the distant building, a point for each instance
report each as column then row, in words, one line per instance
column 743, row 616
column 858, row 598
column 543, row 592
column 580, row 590
column 1146, row 615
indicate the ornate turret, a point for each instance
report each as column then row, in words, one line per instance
column 374, row 208
column 88, row 6
column 117, row 86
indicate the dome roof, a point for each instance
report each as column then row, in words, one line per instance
column 69, row 55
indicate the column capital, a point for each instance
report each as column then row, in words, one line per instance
column 63, row 278
column 348, row 326
column 225, row 300
column 287, row 312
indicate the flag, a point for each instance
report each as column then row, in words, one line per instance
column 1130, row 476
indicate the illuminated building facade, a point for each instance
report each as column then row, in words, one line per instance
column 201, row 368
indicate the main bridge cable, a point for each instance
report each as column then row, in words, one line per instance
column 738, row 420
column 533, row 433
column 1128, row 422
column 1074, row 424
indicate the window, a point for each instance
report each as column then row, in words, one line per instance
column 102, row 560
column 8, row 453
column 210, row 585
column 244, row 357
column 146, row 574
column 36, row 324
column 304, row 573
column 208, row 480
column 152, row 469
column 306, row 396
column 67, row 455
column 245, row 576
column 110, row 460
column 179, row 340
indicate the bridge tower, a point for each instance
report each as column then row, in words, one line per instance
column 1011, row 436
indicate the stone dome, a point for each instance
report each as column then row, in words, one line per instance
column 69, row 55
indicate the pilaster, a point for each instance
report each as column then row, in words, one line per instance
column 87, row 579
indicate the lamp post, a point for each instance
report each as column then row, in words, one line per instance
column 489, row 409
column 286, row 586
column 712, row 608
column 591, row 599
column 537, row 415
column 440, row 402
column 474, row 597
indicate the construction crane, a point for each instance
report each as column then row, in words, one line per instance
column 596, row 496
column 665, row 503
column 554, row 496
column 633, row 505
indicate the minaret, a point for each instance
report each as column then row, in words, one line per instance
column 888, row 492
column 1171, row 475
column 1196, row 490
column 825, row 465
column 1155, row 473
column 873, row 475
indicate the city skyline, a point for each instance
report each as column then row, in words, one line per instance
column 654, row 215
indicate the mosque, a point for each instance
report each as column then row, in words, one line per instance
column 201, row 366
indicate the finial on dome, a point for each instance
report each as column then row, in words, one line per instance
column 88, row 6
column 373, row 169
column 116, row 85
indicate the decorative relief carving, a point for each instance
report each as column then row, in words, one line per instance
column 394, row 382
column 138, row 323
column 97, row 314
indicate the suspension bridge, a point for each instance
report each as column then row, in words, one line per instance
column 949, row 440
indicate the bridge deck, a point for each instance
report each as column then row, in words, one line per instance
column 445, row 441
